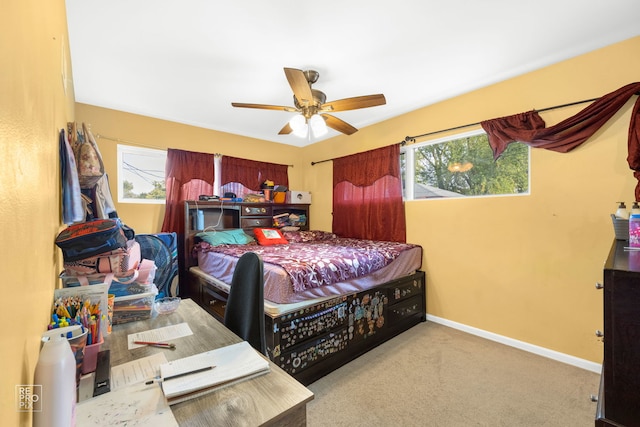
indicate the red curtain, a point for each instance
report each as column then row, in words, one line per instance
column 367, row 195
column 530, row 129
column 187, row 176
column 252, row 174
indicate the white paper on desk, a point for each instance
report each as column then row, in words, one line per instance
column 136, row 371
column 163, row 334
column 134, row 405
column 232, row 363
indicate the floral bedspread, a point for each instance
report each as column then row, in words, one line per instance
column 318, row 263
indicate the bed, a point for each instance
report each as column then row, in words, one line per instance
column 315, row 321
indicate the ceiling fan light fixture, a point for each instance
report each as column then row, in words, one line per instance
column 309, row 103
column 318, row 126
column 299, row 125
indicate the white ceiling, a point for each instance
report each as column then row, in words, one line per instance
column 186, row 61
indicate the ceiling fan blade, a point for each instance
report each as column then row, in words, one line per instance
column 299, row 85
column 354, row 103
column 339, row 125
column 285, row 130
column 264, row 107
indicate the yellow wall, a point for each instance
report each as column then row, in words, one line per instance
column 33, row 108
column 135, row 130
column 521, row 267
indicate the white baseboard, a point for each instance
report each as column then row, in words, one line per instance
column 540, row 351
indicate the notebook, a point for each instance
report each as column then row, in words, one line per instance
column 203, row 373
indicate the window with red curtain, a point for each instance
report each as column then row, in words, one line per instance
column 367, row 195
column 187, row 176
column 251, row 174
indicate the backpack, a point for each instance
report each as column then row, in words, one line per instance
column 87, row 239
column 121, row 262
column 88, row 158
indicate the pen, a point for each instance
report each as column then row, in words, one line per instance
column 157, row 344
column 188, row 373
column 159, row 380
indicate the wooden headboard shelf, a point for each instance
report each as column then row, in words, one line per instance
column 222, row 215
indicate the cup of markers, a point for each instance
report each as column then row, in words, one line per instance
column 91, row 320
column 70, row 312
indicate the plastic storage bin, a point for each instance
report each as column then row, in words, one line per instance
column 130, row 308
column 620, row 228
column 129, row 289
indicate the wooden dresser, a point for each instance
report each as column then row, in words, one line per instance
column 619, row 396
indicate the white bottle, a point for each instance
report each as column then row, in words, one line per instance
column 622, row 212
column 56, row 373
column 635, row 209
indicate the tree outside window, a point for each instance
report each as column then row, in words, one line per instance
column 463, row 166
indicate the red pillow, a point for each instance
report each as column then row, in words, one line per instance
column 269, row 236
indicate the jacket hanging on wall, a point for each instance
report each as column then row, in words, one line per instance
column 72, row 203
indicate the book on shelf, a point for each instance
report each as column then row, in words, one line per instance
column 203, row 373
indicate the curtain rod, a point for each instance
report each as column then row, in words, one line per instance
column 330, row 160
column 321, row 161
column 412, row 139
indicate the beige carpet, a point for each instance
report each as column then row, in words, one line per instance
column 433, row 375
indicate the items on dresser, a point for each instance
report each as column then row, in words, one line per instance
column 298, row 197
column 226, row 215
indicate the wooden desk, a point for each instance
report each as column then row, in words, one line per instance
column 272, row 399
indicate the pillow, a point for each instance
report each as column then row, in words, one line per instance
column 308, row 236
column 269, row 236
column 226, row 237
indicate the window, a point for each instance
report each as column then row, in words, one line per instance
column 141, row 175
column 462, row 166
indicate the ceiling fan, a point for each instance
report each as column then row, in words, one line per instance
column 313, row 109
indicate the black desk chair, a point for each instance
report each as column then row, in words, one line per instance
column 244, row 313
